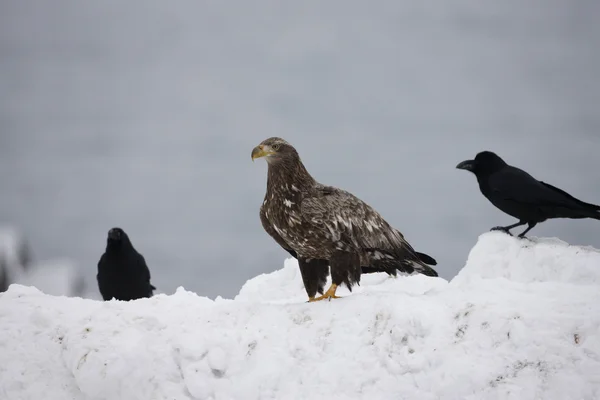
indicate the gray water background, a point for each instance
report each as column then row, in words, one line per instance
column 142, row 114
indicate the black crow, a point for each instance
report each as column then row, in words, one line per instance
column 520, row 195
column 122, row 271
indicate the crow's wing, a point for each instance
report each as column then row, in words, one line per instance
column 143, row 270
column 516, row 185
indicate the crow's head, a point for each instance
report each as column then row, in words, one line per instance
column 117, row 238
column 485, row 163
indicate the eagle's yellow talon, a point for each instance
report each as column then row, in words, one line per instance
column 329, row 294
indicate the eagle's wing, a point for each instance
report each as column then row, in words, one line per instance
column 345, row 218
column 350, row 223
column 271, row 231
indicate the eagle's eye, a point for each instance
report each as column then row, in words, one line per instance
column 276, row 147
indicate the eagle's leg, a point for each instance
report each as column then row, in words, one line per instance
column 329, row 294
column 345, row 268
column 314, row 275
column 506, row 229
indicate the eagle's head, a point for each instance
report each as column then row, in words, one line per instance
column 275, row 150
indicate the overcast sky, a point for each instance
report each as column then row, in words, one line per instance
column 142, row 114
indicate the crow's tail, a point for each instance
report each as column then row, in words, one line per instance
column 587, row 213
column 578, row 208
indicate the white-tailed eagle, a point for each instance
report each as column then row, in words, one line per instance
column 325, row 226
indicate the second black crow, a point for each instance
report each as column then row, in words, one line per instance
column 520, row 195
column 122, row 271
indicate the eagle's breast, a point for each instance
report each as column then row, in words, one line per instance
column 283, row 210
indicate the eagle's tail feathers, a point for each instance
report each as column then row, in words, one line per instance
column 426, row 258
column 424, row 269
column 385, row 261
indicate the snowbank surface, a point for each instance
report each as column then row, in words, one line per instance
column 520, row 321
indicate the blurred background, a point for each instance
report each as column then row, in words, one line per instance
column 143, row 114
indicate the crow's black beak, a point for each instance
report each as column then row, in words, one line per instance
column 468, row 165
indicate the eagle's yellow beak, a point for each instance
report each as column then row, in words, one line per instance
column 261, row 151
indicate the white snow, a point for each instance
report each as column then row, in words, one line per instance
column 520, row 321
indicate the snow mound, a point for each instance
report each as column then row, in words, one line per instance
column 531, row 260
column 285, row 285
column 494, row 332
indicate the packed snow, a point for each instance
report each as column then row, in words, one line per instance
column 520, row 321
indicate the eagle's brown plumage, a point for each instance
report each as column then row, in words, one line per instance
column 323, row 225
